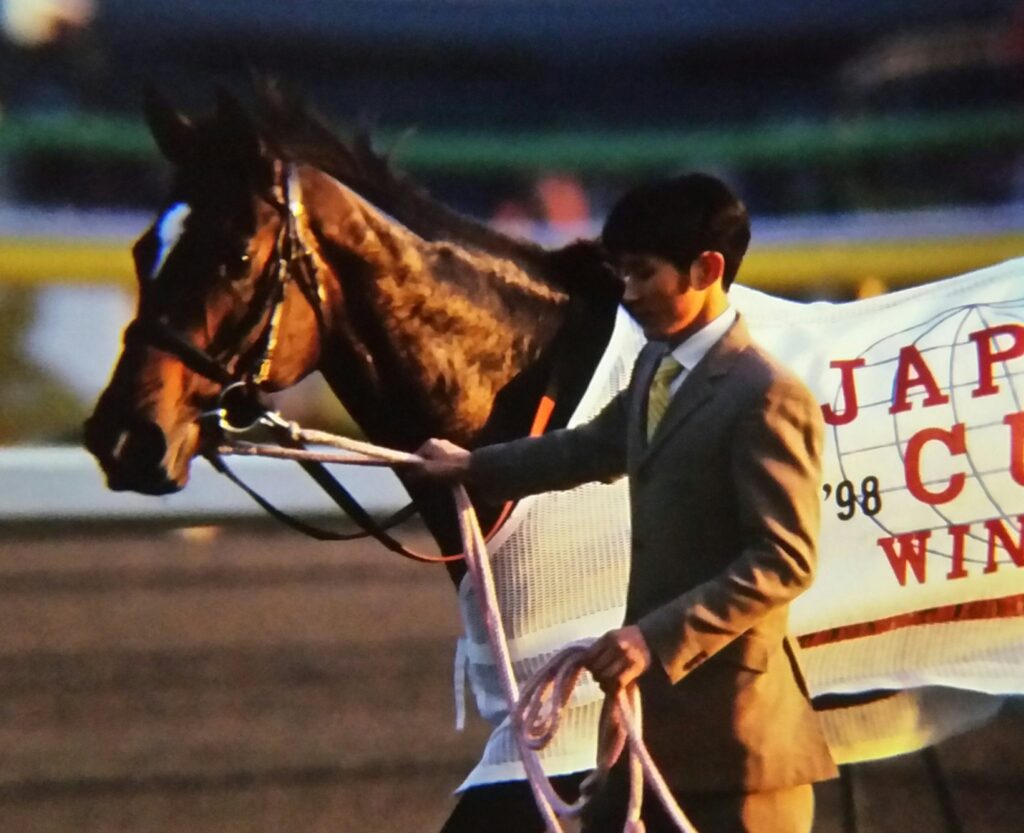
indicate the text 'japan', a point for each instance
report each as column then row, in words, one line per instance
column 914, row 385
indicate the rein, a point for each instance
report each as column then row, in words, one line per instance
column 292, row 440
column 535, row 711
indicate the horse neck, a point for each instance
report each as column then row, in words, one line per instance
column 423, row 335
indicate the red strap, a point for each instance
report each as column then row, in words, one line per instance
column 540, row 424
column 543, row 416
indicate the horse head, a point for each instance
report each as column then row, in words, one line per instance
column 268, row 261
column 219, row 280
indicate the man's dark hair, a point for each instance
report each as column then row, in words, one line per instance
column 676, row 219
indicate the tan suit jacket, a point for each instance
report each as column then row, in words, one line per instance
column 725, row 515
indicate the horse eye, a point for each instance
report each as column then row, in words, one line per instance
column 235, row 267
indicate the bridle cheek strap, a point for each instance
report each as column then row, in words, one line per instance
column 252, row 360
column 155, row 332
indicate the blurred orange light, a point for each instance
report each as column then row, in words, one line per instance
column 36, row 22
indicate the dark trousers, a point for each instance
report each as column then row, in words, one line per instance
column 788, row 810
column 505, row 808
column 510, row 808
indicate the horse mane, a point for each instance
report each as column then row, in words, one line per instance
column 300, row 135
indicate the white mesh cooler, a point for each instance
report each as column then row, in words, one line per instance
column 561, row 564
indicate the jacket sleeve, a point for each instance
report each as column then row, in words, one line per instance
column 559, row 460
column 776, row 472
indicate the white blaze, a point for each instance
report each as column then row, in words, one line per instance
column 168, row 232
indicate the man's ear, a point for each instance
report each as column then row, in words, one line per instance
column 707, row 268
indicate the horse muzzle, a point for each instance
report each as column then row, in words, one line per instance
column 134, row 456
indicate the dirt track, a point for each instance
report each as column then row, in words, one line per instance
column 259, row 682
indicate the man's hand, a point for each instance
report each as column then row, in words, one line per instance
column 618, row 658
column 442, row 460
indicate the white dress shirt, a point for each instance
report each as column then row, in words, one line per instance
column 696, row 347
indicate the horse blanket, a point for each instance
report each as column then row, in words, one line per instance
column 921, row 579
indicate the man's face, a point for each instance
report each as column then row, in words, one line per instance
column 659, row 296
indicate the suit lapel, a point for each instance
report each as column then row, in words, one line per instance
column 698, row 388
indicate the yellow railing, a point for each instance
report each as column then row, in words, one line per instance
column 833, row 267
column 47, row 261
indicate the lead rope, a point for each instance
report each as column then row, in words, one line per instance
column 536, row 712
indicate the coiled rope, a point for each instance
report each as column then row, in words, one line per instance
column 536, row 710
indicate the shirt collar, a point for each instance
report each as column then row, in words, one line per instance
column 696, row 347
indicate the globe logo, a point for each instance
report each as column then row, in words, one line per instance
column 928, row 432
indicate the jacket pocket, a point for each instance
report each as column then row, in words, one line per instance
column 747, row 651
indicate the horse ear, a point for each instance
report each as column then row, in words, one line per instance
column 174, row 134
column 244, row 136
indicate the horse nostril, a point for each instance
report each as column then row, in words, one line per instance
column 131, row 456
column 141, row 447
column 119, row 445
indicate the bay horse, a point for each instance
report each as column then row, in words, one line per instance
column 269, row 263
column 282, row 250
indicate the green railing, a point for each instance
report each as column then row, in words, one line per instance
column 837, row 141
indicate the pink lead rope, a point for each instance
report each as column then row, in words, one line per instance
column 537, row 710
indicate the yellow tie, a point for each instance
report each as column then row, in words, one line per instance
column 657, row 399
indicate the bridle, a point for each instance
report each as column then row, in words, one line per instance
column 240, row 372
column 223, row 361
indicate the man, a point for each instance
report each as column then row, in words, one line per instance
column 722, row 447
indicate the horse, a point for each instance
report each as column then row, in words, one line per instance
column 281, row 251
column 269, row 261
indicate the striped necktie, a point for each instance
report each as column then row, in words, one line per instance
column 657, row 399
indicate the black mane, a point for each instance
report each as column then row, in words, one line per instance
column 301, row 136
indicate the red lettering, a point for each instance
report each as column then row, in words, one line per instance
column 1016, row 423
column 998, row 534
column 911, row 360
column 984, row 343
column 911, row 551
column 955, row 441
column 848, row 392
column 959, row 535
